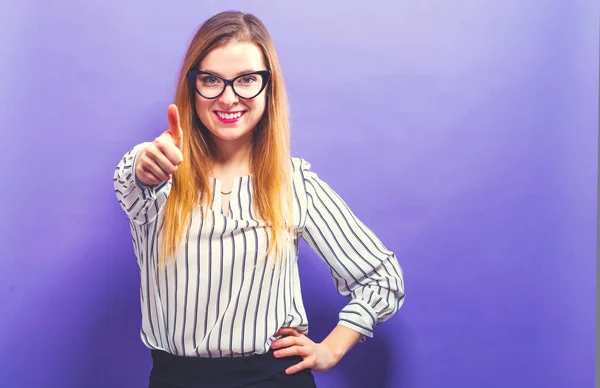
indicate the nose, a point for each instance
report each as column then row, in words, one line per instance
column 228, row 97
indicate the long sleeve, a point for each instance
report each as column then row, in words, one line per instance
column 140, row 202
column 363, row 269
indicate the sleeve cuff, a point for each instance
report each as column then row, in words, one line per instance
column 359, row 317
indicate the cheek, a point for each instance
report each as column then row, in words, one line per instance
column 258, row 106
column 256, row 113
column 203, row 107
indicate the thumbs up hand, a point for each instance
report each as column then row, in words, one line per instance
column 159, row 160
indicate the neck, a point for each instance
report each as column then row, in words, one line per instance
column 233, row 154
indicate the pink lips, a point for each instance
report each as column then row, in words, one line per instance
column 229, row 121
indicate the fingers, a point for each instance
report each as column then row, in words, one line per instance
column 152, row 166
column 304, row 364
column 295, row 344
column 147, row 177
column 287, row 331
column 166, row 147
column 291, row 346
column 285, row 342
column 291, row 351
column 175, row 126
column 166, row 156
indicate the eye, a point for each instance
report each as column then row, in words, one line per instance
column 209, row 80
column 247, row 79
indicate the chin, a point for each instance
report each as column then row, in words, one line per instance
column 231, row 134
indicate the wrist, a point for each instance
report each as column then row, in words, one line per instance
column 340, row 341
column 336, row 352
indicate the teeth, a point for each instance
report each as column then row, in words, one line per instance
column 229, row 116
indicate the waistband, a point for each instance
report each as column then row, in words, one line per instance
column 221, row 372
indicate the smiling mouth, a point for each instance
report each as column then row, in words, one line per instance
column 229, row 115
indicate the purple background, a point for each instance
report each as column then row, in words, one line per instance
column 463, row 133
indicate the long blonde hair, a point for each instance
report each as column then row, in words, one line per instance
column 270, row 156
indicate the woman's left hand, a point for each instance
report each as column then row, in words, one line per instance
column 318, row 357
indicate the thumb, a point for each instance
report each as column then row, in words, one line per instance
column 175, row 126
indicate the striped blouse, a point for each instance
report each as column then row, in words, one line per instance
column 221, row 299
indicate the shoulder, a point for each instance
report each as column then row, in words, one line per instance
column 299, row 163
column 302, row 170
column 304, row 177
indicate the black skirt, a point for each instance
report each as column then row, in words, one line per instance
column 256, row 371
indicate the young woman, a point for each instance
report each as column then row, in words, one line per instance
column 217, row 207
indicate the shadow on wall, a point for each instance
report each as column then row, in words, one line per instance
column 381, row 362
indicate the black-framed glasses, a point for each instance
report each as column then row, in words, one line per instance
column 246, row 86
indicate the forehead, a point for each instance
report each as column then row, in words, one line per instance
column 233, row 58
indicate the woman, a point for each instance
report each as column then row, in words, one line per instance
column 217, row 206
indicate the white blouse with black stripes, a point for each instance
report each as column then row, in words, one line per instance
column 221, row 299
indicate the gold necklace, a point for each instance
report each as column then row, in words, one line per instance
column 226, row 193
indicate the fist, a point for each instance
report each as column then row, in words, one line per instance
column 159, row 160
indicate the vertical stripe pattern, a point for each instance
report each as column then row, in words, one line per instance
column 221, row 299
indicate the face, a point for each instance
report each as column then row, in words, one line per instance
column 229, row 117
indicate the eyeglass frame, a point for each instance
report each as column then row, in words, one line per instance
column 193, row 74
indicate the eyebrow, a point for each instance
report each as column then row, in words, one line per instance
column 239, row 73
